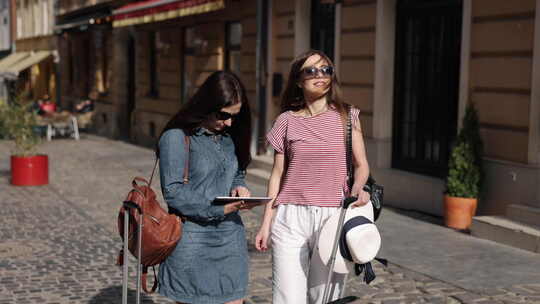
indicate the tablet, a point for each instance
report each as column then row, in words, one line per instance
column 247, row 200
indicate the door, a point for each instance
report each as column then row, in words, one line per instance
column 428, row 38
column 323, row 20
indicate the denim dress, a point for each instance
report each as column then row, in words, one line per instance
column 210, row 263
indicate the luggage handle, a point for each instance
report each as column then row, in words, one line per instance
column 127, row 205
column 132, row 205
column 348, row 201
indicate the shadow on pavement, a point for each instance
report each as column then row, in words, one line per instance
column 113, row 295
column 428, row 218
column 4, row 173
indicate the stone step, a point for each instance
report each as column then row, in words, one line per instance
column 503, row 230
column 524, row 214
column 258, row 176
column 262, row 162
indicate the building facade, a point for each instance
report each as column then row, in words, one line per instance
column 6, row 37
column 411, row 66
column 161, row 63
column 84, row 36
column 32, row 67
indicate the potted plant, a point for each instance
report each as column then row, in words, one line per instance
column 19, row 124
column 464, row 180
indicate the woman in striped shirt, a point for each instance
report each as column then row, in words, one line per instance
column 308, row 179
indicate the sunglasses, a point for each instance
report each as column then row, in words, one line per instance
column 313, row 71
column 225, row 115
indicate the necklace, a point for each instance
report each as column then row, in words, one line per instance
column 310, row 114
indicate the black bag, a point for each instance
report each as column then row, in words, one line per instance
column 375, row 190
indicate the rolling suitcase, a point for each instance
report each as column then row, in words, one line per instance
column 326, row 295
column 127, row 205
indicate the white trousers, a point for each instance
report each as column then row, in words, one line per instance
column 298, row 274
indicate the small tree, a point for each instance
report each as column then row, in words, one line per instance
column 465, row 171
column 18, row 123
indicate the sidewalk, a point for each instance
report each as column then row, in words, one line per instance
column 58, row 243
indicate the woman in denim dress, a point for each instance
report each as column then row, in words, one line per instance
column 210, row 263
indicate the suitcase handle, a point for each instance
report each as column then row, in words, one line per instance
column 348, row 201
column 132, row 205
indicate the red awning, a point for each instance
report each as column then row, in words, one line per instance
column 159, row 10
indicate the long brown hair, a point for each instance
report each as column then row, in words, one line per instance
column 293, row 96
column 221, row 89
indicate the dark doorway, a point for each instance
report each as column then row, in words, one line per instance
column 323, row 21
column 130, row 101
column 428, row 41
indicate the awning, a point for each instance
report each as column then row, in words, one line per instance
column 12, row 71
column 12, row 59
column 158, row 10
column 83, row 22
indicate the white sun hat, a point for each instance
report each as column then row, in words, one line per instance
column 360, row 240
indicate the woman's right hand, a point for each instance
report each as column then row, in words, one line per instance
column 261, row 240
column 238, row 205
column 232, row 207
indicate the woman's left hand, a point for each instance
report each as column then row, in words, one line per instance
column 363, row 196
column 240, row 191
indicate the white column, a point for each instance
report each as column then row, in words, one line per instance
column 302, row 26
column 383, row 97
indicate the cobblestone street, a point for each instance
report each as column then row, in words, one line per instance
column 58, row 243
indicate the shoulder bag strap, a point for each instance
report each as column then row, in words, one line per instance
column 186, row 162
column 348, row 151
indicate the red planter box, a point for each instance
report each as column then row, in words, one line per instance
column 29, row 171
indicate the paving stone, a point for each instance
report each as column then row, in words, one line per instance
column 469, row 297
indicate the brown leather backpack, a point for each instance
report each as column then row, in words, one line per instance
column 161, row 231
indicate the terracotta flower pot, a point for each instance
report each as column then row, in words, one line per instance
column 29, row 171
column 458, row 211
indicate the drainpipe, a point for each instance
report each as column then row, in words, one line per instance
column 261, row 75
column 57, row 59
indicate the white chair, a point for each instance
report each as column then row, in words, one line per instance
column 62, row 127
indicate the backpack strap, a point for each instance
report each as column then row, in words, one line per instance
column 187, row 141
column 186, row 162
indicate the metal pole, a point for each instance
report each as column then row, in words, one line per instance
column 139, row 249
column 333, row 255
column 126, row 239
column 261, row 72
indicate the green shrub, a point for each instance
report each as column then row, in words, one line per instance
column 465, row 170
column 18, row 123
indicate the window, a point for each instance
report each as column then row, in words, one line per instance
column 153, row 64
column 101, row 39
column 323, row 22
column 37, row 19
column 233, row 46
column 70, row 65
column 428, row 35
column 188, row 64
column 45, row 18
column 19, row 26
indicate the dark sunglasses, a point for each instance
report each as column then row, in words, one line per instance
column 313, row 71
column 225, row 115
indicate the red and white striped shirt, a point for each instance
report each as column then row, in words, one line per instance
column 314, row 148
